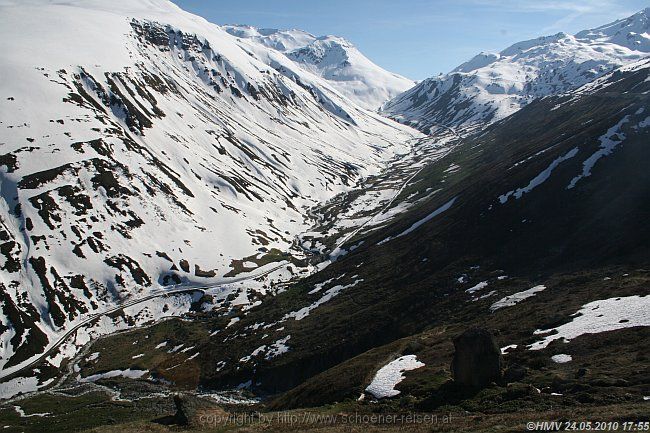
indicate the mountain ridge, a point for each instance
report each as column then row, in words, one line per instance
column 492, row 86
column 334, row 58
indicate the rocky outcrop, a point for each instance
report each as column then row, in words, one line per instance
column 477, row 359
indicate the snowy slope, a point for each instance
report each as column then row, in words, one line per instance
column 491, row 86
column 335, row 59
column 142, row 146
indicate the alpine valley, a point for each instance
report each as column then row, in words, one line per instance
column 231, row 228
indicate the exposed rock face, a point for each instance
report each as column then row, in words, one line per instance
column 477, row 359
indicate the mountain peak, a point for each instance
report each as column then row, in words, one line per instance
column 334, row 58
column 278, row 39
column 491, row 86
column 631, row 32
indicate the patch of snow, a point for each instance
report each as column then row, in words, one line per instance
column 232, row 322
column 329, row 294
column 487, row 295
column 230, row 397
column 477, row 287
column 505, row 349
column 516, row 298
column 561, row 358
column 278, row 348
column 18, row 385
column 385, row 380
column 608, row 142
column 540, row 178
column 22, row 413
column 424, row 220
column 128, row 373
column 601, row 316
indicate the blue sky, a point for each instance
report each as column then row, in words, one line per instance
column 420, row 38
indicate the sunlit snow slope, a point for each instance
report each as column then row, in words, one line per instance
column 142, row 146
column 335, row 59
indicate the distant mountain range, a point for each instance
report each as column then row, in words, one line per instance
column 492, row 86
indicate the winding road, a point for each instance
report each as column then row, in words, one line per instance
column 16, row 371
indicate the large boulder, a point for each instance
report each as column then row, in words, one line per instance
column 477, row 359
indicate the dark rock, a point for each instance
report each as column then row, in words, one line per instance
column 185, row 265
column 477, row 359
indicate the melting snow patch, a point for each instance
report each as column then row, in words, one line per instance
column 161, row 345
column 329, row 294
column 230, row 397
column 516, row 298
column 385, row 380
column 612, row 138
column 601, row 316
column 453, row 168
column 540, row 178
column 487, row 295
column 424, row 220
column 278, row 348
column 561, row 358
column 476, row 288
column 318, row 287
column 22, row 413
column 15, row 386
column 128, row 373
column 505, row 349
column 175, row 348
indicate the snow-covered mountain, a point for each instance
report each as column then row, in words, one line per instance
column 142, row 146
column 491, row 86
column 335, row 59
